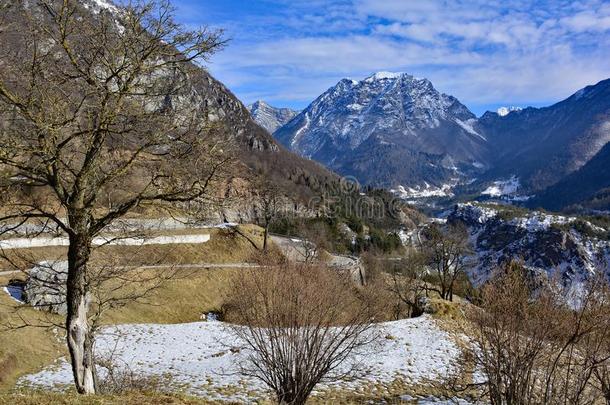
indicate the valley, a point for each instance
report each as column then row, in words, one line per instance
column 169, row 237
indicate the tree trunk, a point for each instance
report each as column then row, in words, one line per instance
column 266, row 235
column 80, row 340
column 292, row 398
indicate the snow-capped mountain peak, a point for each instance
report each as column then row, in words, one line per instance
column 385, row 108
column 504, row 111
column 384, row 76
column 269, row 117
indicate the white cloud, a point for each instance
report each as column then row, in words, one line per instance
column 587, row 21
column 481, row 51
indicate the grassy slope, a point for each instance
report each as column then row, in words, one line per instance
column 27, row 350
column 135, row 398
column 180, row 300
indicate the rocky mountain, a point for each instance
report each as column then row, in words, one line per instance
column 570, row 247
column 395, row 130
column 261, row 160
column 388, row 129
column 270, row 118
column 587, row 188
column 258, row 152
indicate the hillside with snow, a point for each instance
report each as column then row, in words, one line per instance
column 570, row 248
column 203, row 358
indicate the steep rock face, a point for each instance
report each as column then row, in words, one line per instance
column 388, row 129
column 548, row 244
column 213, row 101
column 217, row 103
column 270, row 118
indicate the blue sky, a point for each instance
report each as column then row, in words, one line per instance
column 487, row 53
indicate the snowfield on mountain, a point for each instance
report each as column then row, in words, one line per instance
column 547, row 244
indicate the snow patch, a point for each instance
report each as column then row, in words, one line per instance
column 504, row 111
column 27, row 243
column 102, row 4
column 383, row 76
column 503, row 187
column 539, row 221
column 424, row 191
column 468, row 127
column 203, row 357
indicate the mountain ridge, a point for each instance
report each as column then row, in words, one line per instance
column 395, row 130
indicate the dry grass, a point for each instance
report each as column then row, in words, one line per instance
column 392, row 391
column 131, row 398
column 183, row 299
column 27, row 349
column 449, row 310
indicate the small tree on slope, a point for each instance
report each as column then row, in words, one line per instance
column 446, row 251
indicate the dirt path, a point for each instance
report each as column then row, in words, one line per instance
column 204, row 266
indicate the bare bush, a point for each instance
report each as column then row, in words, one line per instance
column 535, row 346
column 300, row 325
column 120, row 378
column 407, row 284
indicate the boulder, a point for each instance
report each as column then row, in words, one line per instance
column 45, row 288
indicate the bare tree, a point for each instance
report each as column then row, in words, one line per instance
column 407, row 282
column 315, row 240
column 447, row 252
column 299, row 324
column 95, row 123
column 270, row 202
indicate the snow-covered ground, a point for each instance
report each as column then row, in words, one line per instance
column 45, row 241
column 424, row 191
column 44, row 235
column 199, row 359
column 118, row 226
column 503, row 187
